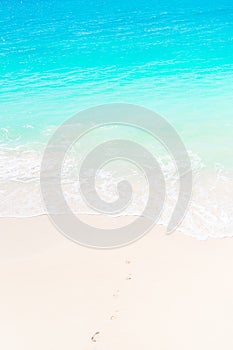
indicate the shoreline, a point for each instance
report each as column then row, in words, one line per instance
column 115, row 221
column 209, row 214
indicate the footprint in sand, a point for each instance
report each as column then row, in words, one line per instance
column 116, row 294
column 114, row 316
column 129, row 277
column 95, row 337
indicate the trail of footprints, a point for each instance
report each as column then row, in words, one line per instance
column 117, row 293
column 115, row 315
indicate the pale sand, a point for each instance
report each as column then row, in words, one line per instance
column 162, row 292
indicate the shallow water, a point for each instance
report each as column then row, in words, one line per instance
column 58, row 58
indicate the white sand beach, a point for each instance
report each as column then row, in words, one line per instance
column 162, row 292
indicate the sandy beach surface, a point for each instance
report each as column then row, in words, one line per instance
column 162, row 292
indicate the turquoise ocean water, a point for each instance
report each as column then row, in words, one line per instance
column 59, row 57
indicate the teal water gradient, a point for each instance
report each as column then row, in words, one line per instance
column 59, row 57
column 175, row 57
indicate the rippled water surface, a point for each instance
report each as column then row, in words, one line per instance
column 57, row 58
